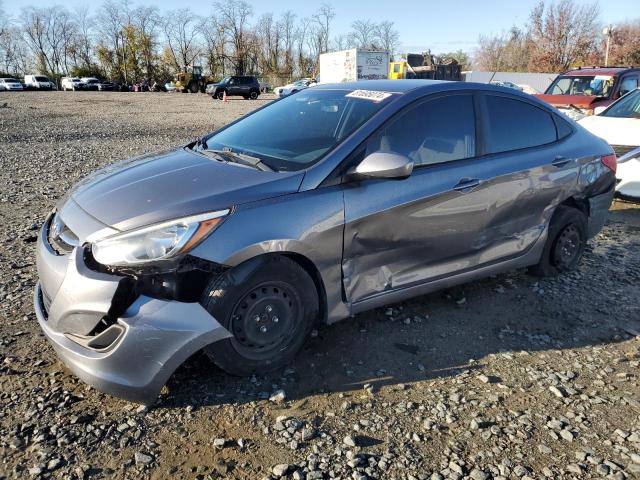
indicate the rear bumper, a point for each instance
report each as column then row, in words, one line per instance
column 599, row 212
column 137, row 353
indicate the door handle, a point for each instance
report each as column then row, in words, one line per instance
column 560, row 161
column 466, row 184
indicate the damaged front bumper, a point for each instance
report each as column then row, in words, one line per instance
column 133, row 355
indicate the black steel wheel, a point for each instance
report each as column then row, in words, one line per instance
column 567, row 247
column 264, row 319
column 566, row 241
column 269, row 305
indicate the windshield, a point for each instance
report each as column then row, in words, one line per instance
column 297, row 131
column 627, row 107
column 589, row 85
column 11, row 80
column 42, row 79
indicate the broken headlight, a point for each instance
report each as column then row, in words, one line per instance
column 156, row 242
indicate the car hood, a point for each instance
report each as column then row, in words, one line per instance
column 174, row 184
column 581, row 101
column 615, row 130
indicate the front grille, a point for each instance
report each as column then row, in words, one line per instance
column 621, row 150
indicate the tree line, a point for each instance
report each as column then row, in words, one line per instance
column 128, row 43
column 135, row 43
column 559, row 36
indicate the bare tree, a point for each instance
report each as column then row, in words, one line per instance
column 111, row 52
column 214, row 45
column 563, row 34
column 508, row 52
column 181, row 28
column 34, row 25
column 363, row 34
column 147, row 21
column 287, row 26
column 323, row 18
column 269, row 34
column 387, row 37
column 84, row 37
column 233, row 18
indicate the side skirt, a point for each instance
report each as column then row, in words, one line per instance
column 532, row 257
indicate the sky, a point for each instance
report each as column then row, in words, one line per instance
column 441, row 25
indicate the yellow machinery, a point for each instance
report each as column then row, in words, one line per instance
column 425, row 66
column 192, row 80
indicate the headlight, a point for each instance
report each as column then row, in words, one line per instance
column 156, row 242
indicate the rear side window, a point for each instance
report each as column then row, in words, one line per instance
column 563, row 127
column 513, row 125
column 436, row 131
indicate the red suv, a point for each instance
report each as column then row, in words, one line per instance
column 578, row 92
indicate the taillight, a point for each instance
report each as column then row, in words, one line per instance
column 610, row 161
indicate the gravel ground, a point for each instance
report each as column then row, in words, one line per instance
column 506, row 378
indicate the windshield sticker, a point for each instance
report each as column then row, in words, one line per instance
column 373, row 95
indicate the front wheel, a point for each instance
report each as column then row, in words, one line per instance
column 566, row 241
column 220, row 95
column 269, row 311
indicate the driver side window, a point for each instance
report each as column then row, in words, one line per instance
column 628, row 84
column 435, row 131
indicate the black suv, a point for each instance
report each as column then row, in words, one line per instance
column 246, row 86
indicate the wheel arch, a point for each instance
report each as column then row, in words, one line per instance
column 577, row 203
column 246, row 263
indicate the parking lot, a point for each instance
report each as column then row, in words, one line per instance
column 509, row 377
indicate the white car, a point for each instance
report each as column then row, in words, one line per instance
column 71, row 83
column 39, row 82
column 11, row 84
column 619, row 124
column 294, row 87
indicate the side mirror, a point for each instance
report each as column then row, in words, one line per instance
column 383, row 165
column 599, row 110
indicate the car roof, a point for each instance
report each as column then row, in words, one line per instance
column 578, row 72
column 428, row 86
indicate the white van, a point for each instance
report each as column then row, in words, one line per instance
column 39, row 82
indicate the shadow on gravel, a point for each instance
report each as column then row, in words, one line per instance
column 437, row 335
column 446, row 332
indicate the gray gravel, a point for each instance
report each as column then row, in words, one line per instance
column 511, row 377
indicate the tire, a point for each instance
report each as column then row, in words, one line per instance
column 565, row 243
column 194, row 88
column 253, row 95
column 269, row 306
column 220, row 95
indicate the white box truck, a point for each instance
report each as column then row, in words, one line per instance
column 352, row 65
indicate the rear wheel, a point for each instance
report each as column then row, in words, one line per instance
column 565, row 244
column 269, row 312
column 253, row 95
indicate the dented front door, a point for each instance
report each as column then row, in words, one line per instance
column 446, row 218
